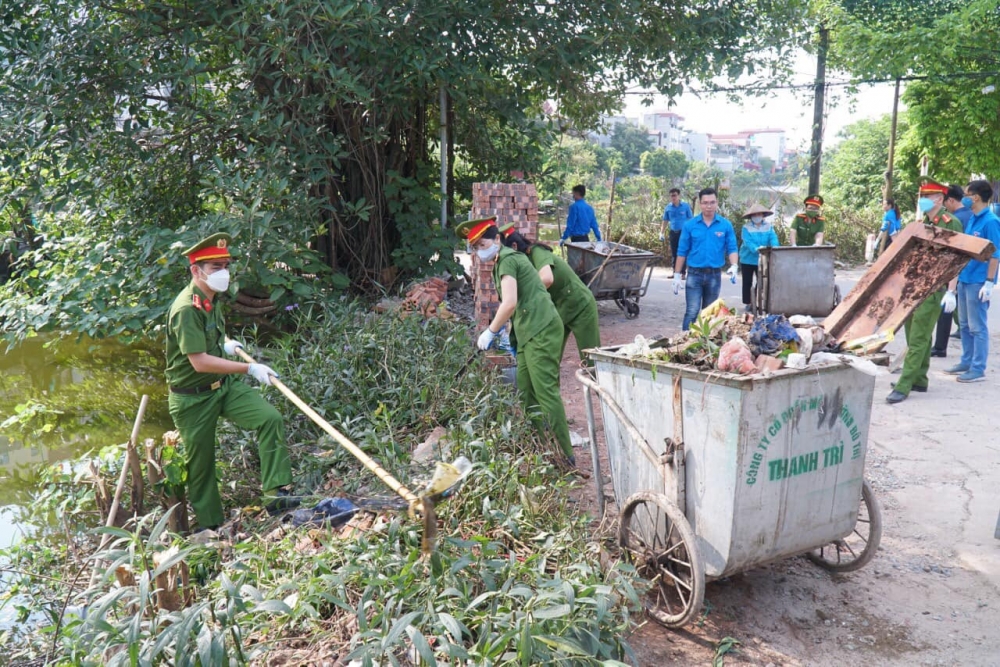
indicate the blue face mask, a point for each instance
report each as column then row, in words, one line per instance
column 925, row 204
column 967, row 202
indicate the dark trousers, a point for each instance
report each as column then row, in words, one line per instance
column 580, row 238
column 944, row 330
column 675, row 242
column 749, row 271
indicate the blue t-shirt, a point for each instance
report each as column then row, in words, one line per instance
column 581, row 220
column 890, row 223
column 677, row 215
column 963, row 214
column 985, row 226
column 707, row 246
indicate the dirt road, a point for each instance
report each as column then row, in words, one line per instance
column 930, row 597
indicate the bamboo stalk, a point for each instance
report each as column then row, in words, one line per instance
column 368, row 461
column 129, row 452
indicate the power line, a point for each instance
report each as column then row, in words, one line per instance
column 842, row 83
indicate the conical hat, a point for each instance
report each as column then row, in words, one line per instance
column 757, row 209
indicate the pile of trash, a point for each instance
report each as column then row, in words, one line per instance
column 722, row 340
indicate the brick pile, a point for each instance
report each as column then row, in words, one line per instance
column 426, row 297
column 508, row 202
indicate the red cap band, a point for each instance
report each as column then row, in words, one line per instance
column 477, row 232
column 813, row 202
column 211, row 252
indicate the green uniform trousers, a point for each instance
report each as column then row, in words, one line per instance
column 585, row 330
column 538, row 383
column 196, row 416
column 919, row 335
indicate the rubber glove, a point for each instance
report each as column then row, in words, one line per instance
column 677, row 282
column 486, row 339
column 662, row 238
column 986, row 290
column 731, row 272
column 261, row 373
column 949, row 302
column 562, row 242
column 230, row 346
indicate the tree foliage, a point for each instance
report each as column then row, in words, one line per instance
column 945, row 50
column 631, row 142
column 306, row 129
column 854, row 171
column 671, row 165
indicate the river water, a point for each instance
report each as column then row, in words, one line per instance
column 60, row 399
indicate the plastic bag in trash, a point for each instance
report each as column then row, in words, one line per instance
column 735, row 357
column 635, row 349
column 769, row 334
column 334, row 512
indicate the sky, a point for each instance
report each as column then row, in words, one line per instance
column 783, row 109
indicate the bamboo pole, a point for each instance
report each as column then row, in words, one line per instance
column 611, row 252
column 368, row 461
column 129, row 452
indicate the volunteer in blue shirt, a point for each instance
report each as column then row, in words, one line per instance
column 676, row 213
column 707, row 241
column 958, row 205
column 891, row 224
column 757, row 233
column 975, row 286
column 580, row 219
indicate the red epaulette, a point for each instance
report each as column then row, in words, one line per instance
column 196, row 301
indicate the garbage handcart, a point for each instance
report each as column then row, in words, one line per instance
column 613, row 271
column 796, row 280
column 716, row 473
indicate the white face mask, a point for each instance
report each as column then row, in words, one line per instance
column 486, row 254
column 218, row 282
column 757, row 219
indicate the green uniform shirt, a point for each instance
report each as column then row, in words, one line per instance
column 534, row 306
column 807, row 228
column 193, row 325
column 568, row 292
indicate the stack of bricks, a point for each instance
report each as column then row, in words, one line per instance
column 507, row 202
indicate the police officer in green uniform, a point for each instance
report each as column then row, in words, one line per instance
column 202, row 388
column 921, row 324
column 573, row 300
column 807, row 226
column 537, row 329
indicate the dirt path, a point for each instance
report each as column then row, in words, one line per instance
column 930, row 597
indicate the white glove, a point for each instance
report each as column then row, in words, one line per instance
column 677, row 282
column 230, row 346
column 261, row 373
column 948, row 302
column 662, row 238
column 986, row 290
column 731, row 272
column 486, row 339
column 562, row 242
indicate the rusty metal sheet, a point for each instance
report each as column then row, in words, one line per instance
column 921, row 260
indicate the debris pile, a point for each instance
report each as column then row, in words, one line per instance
column 721, row 340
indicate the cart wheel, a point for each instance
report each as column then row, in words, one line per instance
column 857, row 549
column 836, row 296
column 632, row 310
column 658, row 540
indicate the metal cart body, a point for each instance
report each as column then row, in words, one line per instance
column 758, row 467
column 613, row 271
column 797, row 280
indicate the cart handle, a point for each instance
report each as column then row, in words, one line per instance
column 586, row 379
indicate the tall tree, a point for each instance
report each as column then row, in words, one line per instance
column 671, row 165
column 631, row 141
column 304, row 128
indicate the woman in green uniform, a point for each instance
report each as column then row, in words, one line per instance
column 537, row 329
column 574, row 302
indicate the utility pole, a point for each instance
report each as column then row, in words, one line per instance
column 887, row 193
column 819, row 100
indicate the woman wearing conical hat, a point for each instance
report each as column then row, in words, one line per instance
column 757, row 233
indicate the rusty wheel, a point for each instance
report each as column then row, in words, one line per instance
column 658, row 540
column 857, row 549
